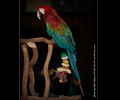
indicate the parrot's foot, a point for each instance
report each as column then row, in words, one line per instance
column 53, row 41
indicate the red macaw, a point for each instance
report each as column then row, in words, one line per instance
column 61, row 33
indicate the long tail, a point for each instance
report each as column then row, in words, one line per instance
column 73, row 61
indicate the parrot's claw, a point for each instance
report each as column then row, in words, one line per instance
column 53, row 41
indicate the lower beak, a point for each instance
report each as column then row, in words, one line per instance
column 38, row 15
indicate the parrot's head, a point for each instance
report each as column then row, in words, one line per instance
column 43, row 11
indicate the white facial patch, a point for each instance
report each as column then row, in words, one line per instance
column 42, row 10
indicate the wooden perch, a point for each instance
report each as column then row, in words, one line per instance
column 36, row 40
column 25, row 72
column 45, row 71
column 28, row 66
column 31, row 72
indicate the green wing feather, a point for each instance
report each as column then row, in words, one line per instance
column 63, row 36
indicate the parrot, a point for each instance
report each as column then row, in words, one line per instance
column 58, row 29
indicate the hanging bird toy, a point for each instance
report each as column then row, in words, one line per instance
column 62, row 71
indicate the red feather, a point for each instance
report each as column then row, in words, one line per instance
column 53, row 22
column 52, row 17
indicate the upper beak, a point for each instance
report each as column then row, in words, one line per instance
column 38, row 14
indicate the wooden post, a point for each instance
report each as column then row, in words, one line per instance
column 25, row 72
column 31, row 72
column 45, row 71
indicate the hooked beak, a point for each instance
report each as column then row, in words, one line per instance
column 38, row 14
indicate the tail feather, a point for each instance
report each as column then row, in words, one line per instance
column 73, row 61
column 81, row 88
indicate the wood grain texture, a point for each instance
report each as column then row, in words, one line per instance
column 45, row 71
column 36, row 40
column 31, row 72
column 25, row 71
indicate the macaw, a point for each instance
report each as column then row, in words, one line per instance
column 61, row 33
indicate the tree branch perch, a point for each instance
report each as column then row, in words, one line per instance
column 36, row 40
column 28, row 66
